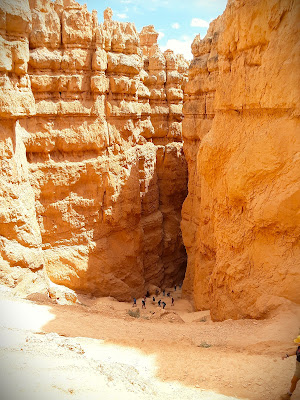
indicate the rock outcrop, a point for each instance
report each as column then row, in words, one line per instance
column 241, row 222
column 92, row 170
column 93, row 175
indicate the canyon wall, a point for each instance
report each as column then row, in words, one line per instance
column 93, row 175
column 92, row 170
column 241, row 219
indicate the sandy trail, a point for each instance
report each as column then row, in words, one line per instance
column 96, row 350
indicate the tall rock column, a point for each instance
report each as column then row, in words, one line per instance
column 244, row 199
column 199, row 112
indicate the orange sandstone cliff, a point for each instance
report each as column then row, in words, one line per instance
column 241, row 219
column 92, row 171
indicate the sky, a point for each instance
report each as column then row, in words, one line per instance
column 177, row 21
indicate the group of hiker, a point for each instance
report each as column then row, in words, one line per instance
column 160, row 303
column 296, row 376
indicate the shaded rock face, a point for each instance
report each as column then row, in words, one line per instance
column 241, row 222
column 93, row 175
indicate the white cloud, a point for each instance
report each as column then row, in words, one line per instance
column 175, row 25
column 199, row 23
column 122, row 16
column 160, row 35
column 179, row 47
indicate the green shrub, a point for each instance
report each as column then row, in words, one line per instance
column 204, row 344
column 134, row 313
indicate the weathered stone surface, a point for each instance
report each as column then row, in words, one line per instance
column 87, row 191
column 20, row 238
column 241, row 140
column 148, row 38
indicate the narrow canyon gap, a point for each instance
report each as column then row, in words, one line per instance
column 94, row 170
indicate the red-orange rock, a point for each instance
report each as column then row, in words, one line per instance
column 241, row 140
column 88, row 193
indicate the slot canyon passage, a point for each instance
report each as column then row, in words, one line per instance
column 126, row 169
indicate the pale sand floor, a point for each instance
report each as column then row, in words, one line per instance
column 97, row 351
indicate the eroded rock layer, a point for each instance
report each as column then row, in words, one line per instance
column 93, row 174
column 241, row 223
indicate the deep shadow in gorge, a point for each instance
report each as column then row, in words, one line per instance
column 144, row 247
column 85, row 98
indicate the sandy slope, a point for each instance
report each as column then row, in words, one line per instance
column 97, row 351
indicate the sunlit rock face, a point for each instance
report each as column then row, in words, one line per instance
column 241, row 219
column 93, row 175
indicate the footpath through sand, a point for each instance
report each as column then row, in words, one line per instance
column 97, row 350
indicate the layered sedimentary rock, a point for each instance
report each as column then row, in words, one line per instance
column 20, row 237
column 241, row 222
column 93, row 174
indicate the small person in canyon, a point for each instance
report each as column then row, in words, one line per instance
column 173, row 301
column 296, row 376
column 134, row 302
column 159, row 301
column 143, row 303
column 164, row 304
